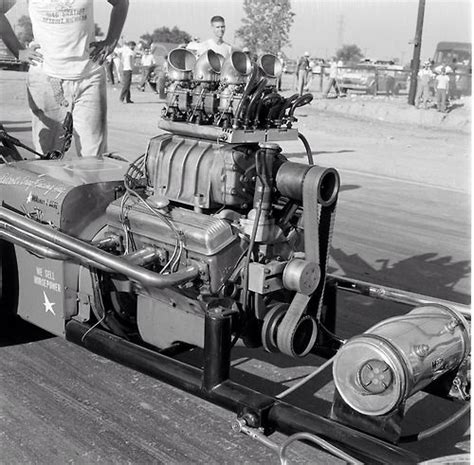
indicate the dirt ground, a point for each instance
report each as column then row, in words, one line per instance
column 403, row 220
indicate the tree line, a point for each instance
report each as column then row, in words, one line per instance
column 265, row 28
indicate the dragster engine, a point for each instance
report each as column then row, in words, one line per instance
column 213, row 238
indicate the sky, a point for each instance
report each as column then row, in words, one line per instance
column 381, row 28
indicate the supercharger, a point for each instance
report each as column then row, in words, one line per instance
column 211, row 231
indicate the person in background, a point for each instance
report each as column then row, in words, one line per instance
column 66, row 73
column 117, row 61
column 148, row 65
column 442, row 86
column 453, row 91
column 332, row 82
column 128, row 59
column 282, row 61
column 309, row 76
column 302, row 72
column 194, row 45
column 425, row 77
column 109, row 69
column 216, row 43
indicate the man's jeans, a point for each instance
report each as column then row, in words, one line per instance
column 441, row 99
column 50, row 99
column 302, row 78
column 422, row 94
column 127, row 81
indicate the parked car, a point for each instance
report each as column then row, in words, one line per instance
column 372, row 79
column 289, row 67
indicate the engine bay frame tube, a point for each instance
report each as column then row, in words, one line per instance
column 395, row 295
column 87, row 254
column 234, row 396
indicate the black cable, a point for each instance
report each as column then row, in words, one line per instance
column 307, row 147
column 331, row 334
column 437, row 428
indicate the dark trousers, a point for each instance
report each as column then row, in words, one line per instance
column 109, row 67
column 127, row 81
column 146, row 71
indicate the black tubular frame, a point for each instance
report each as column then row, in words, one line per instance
column 212, row 383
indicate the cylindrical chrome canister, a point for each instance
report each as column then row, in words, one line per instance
column 378, row 370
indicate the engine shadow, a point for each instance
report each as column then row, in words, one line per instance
column 428, row 273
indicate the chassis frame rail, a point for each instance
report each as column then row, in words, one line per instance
column 212, row 384
column 395, row 295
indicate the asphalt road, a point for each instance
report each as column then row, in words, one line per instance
column 403, row 220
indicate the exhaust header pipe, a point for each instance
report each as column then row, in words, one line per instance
column 88, row 255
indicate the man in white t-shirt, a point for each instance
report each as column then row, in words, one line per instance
column 216, row 43
column 148, row 65
column 66, row 73
column 425, row 77
column 128, row 60
column 442, row 86
column 332, row 81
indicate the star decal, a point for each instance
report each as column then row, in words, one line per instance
column 48, row 306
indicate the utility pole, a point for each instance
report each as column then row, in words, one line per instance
column 340, row 31
column 415, row 64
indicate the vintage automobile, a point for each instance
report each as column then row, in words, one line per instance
column 319, row 65
column 289, row 66
column 212, row 238
column 372, row 79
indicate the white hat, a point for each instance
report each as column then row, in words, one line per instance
column 245, row 50
column 306, row 54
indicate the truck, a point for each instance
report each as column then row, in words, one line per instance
column 457, row 55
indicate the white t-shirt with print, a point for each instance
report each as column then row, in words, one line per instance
column 64, row 29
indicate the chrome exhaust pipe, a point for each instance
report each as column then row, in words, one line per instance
column 87, row 254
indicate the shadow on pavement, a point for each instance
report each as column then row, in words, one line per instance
column 427, row 274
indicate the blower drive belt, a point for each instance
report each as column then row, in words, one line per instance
column 317, row 241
